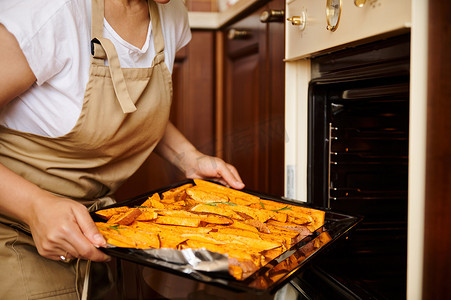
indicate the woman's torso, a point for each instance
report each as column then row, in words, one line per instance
column 60, row 57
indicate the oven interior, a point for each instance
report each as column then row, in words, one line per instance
column 358, row 164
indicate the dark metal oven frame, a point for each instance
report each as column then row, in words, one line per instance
column 358, row 160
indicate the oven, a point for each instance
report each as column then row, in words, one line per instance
column 348, row 108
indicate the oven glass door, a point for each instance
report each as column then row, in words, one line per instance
column 358, row 159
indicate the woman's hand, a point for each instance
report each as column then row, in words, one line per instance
column 198, row 165
column 60, row 227
column 63, row 227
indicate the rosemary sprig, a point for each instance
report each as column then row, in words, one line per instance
column 263, row 206
column 283, row 208
column 219, row 202
column 115, row 227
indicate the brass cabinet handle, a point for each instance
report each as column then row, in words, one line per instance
column 235, row 34
column 359, row 3
column 272, row 15
column 299, row 21
column 296, row 20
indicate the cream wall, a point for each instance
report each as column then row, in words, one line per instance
column 417, row 148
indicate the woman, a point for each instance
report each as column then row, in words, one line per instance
column 85, row 92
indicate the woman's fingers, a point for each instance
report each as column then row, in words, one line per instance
column 209, row 167
column 88, row 228
column 234, row 179
column 83, row 248
column 227, row 176
column 87, row 231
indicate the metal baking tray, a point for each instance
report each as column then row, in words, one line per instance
column 270, row 277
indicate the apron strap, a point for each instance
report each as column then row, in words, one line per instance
column 119, row 85
column 97, row 16
column 102, row 49
column 85, row 292
column 157, row 31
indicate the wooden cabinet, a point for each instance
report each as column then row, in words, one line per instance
column 253, row 104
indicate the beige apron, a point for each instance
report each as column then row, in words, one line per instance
column 124, row 115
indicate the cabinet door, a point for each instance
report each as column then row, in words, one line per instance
column 253, row 110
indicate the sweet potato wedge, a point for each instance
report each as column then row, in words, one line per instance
column 109, row 212
column 203, row 196
column 169, row 241
column 257, row 244
column 239, row 232
column 290, row 226
column 182, row 229
column 153, row 201
column 177, row 213
column 147, row 216
column 257, row 214
column 126, row 217
column 204, row 238
column 181, row 221
column 114, row 236
column 243, row 226
column 316, row 215
column 238, row 254
column 260, row 226
column 214, row 209
column 173, row 193
column 236, row 271
column 216, row 219
column 143, row 240
column 226, row 191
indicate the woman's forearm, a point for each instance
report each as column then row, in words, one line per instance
column 18, row 196
column 179, row 151
column 175, row 148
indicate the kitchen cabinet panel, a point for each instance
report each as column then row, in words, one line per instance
column 437, row 240
column 253, row 109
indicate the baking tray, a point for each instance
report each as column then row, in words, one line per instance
column 269, row 278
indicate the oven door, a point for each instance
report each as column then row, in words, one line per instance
column 358, row 163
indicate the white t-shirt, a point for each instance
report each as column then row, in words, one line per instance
column 55, row 36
